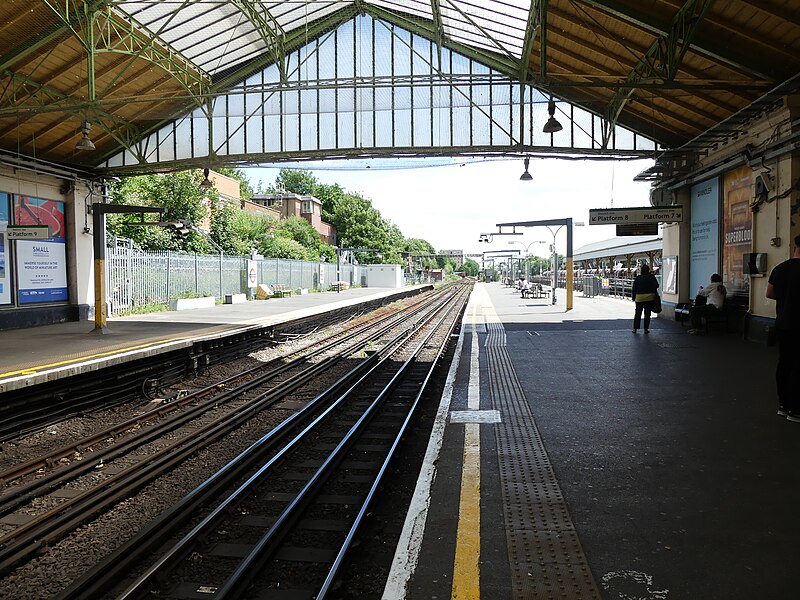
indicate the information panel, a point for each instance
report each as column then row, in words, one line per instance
column 5, row 275
column 41, row 264
column 705, row 234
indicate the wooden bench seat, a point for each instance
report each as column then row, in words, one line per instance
column 281, row 291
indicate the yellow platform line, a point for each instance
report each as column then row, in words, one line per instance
column 466, row 571
column 36, row 369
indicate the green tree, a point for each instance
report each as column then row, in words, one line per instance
column 418, row 246
column 181, row 197
column 329, row 252
column 301, row 231
column 283, row 247
column 297, row 181
column 471, row 268
column 330, row 195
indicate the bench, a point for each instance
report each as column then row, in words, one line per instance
column 683, row 311
column 719, row 318
column 535, row 291
column 280, row 290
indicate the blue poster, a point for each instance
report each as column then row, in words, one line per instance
column 705, row 234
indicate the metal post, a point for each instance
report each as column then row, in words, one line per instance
column 555, row 268
column 99, row 240
column 570, row 282
column 338, row 270
column 169, row 265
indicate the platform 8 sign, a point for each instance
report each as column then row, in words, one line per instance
column 41, row 264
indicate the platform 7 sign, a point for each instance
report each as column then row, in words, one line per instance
column 631, row 216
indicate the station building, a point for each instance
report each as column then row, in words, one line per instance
column 708, row 91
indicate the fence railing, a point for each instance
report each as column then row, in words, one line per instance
column 138, row 278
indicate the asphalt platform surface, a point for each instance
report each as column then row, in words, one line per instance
column 681, row 480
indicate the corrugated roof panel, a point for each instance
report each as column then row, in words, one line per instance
column 213, row 36
column 504, row 22
column 294, row 15
column 416, row 8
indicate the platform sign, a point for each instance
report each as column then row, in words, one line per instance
column 28, row 232
column 630, row 216
column 637, row 229
column 252, row 274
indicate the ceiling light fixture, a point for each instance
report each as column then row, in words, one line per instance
column 206, row 183
column 85, row 143
column 552, row 124
column 525, row 175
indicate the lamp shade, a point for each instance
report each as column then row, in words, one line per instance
column 85, row 143
column 206, row 183
column 526, row 176
column 552, row 124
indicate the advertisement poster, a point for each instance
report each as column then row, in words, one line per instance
column 41, row 264
column 705, row 234
column 5, row 276
column 669, row 274
column 737, row 230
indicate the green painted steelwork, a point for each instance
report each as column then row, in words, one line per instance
column 661, row 61
column 724, row 54
column 268, row 28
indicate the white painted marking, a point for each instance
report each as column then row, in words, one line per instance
column 475, row 416
column 406, row 554
column 631, row 585
column 474, row 388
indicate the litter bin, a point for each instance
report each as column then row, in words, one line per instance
column 591, row 286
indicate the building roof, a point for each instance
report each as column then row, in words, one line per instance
column 619, row 246
column 669, row 70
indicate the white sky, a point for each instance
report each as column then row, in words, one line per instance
column 449, row 206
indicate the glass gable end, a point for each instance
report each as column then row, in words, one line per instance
column 370, row 88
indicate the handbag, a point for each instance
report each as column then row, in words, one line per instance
column 656, row 304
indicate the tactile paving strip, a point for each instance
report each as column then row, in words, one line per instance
column 547, row 561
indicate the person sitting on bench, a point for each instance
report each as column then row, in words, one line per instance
column 709, row 301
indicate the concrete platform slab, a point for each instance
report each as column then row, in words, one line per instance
column 37, row 354
column 676, row 475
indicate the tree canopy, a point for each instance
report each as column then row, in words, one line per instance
column 358, row 223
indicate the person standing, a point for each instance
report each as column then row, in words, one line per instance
column 784, row 287
column 714, row 300
column 643, row 292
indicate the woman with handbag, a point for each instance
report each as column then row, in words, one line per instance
column 644, row 293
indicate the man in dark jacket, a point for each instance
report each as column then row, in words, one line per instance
column 643, row 292
column 784, row 288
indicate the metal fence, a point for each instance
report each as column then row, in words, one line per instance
column 138, row 278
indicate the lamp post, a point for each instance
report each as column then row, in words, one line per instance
column 553, row 222
column 527, row 255
column 555, row 260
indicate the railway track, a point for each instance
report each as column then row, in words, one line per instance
column 26, row 410
column 294, row 502
column 247, row 393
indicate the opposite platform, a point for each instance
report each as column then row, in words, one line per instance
column 38, row 354
column 574, row 459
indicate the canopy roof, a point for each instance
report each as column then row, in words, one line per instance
column 670, row 71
